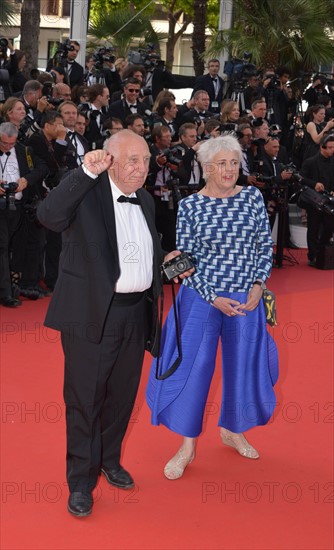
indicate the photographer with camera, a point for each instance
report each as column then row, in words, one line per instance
column 50, row 145
column 273, row 178
column 65, row 57
column 245, row 136
column 61, row 92
column 8, row 68
column 161, row 171
column 253, row 90
column 21, row 176
column 36, row 104
column 95, row 110
column 316, row 90
column 199, row 113
column 318, row 173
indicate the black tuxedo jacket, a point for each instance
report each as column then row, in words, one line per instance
column 71, row 153
column 119, row 109
column 184, row 171
column 162, row 78
column 204, row 82
column 76, row 77
column 93, row 133
column 82, row 208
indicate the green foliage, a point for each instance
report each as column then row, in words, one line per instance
column 296, row 32
column 7, row 13
column 106, row 26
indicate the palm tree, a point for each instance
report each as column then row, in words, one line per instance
column 30, row 19
column 295, row 33
column 119, row 27
column 198, row 38
column 7, row 13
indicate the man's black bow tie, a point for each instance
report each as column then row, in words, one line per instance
column 3, row 153
column 133, row 200
column 214, row 79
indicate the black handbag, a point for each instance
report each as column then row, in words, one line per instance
column 269, row 301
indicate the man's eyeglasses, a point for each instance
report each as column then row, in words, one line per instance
column 133, row 91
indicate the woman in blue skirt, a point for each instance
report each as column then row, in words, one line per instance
column 225, row 229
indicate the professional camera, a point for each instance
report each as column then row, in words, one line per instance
column 101, row 55
column 60, row 57
column 66, row 47
column 9, row 199
column 47, row 92
column 296, row 177
column 171, row 157
column 3, row 45
column 177, row 266
column 274, row 83
column 324, row 81
column 147, row 57
column 240, row 70
column 322, row 202
column 265, row 179
column 146, row 91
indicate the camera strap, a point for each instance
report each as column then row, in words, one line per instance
column 178, row 360
column 3, row 166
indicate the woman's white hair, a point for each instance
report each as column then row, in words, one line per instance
column 211, row 147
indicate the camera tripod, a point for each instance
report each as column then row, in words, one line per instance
column 282, row 212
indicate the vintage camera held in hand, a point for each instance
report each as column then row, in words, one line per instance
column 177, row 266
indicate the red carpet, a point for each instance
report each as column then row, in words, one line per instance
column 282, row 501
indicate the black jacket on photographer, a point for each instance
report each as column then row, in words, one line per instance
column 194, row 116
column 94, row 130
column 52, row 153
column 318, row 169
column 190, row 171
column 9, row 68
column 320, row 226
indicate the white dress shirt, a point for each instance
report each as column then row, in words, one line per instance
column 134, row 243
column 10, row 169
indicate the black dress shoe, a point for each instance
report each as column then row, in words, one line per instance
column 8, row 301
column 30, row 293
column 80, row 504
column 118, row 477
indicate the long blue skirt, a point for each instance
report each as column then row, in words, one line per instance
column 249, row 359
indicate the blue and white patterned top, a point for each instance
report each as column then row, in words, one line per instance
column 229, row 239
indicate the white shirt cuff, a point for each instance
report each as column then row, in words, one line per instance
column 88, row 173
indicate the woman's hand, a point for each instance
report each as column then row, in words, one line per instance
column 254, row 296
column 230, row 307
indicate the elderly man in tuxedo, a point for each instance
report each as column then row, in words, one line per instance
column 103, row 304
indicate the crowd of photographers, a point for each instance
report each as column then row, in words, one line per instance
column 49, row 122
